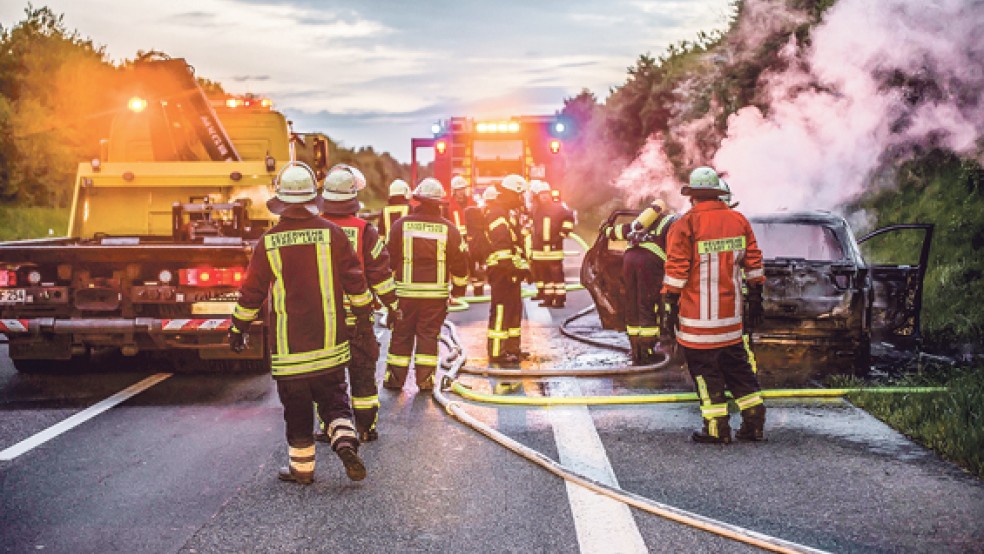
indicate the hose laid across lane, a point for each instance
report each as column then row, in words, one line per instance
column 454, row 408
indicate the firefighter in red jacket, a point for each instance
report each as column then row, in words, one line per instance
column 396, row 207
column 507, row 269
column 708, row 248
column 552, row 223
column 428, row 256
column 642, row 272
column 341, row 187
column 307, row 266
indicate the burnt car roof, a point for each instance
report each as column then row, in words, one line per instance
column 818, row 216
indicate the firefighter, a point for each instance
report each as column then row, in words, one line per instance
column 396, row 207
column 552, row 223
column 478, row 246
column 460, row 205
column 307, row 265
column 507, row 269
column 341, row 186
column 428, row 255
column 707, row 248
column 642, row 273
column 460, row 199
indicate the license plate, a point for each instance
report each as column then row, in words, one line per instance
column 13, row 296
column 213, row 308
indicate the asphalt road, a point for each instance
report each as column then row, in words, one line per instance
column 189, row 465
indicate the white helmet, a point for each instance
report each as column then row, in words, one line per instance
column 295, row 185
column 343, row 182
column 514, row 183
column 399, row 187
column 429, row 189
column 490, row 194
column 537, row 186
column 704, row 182
column 727, row 197
column 458, row 182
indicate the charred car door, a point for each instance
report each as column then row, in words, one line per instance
column 897, row 287
column 601, row 272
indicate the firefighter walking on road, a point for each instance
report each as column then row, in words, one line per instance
column 708, row 247
column 341, row 187
column 396, row 207
column 552, row 223
column 460, row 208
column 642, row 272
column 428, row 256
column 307, row 265
column 507, row 269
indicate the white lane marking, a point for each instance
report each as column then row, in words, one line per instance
column 81, row 417
column 602, row 524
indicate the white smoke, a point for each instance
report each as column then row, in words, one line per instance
column 833, row 120
column 877, row 80
column 650, row 176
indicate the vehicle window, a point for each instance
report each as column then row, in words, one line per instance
column 899, row 247
column 798, row 240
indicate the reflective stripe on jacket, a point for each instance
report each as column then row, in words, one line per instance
column 307, row 266
column 396, row 209
column 373, row 256
column 707, row 249
column 427, row 255
column 652, row 239
column 506, row 239
column 551, row 223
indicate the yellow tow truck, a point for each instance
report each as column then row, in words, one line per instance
column 161, row 229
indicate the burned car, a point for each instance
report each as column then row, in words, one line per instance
column 825, row 303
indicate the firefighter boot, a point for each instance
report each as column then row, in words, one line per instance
column 300, row 469
column 752, row 424
column 647, row 350
column 716, row 430
column 345, row 443
column 635, row 352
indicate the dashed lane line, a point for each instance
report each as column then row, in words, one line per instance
column 602, row 524
column 38, row 439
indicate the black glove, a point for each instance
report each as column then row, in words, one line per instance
column 392, row 316
column 238, row 340
column 756, row 312
column 671, row 313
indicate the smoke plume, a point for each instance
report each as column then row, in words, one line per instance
column 876, row 83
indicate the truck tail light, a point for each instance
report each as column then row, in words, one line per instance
column 212, row 276
column 555, row 146
column 8, row 278
column 441, row 147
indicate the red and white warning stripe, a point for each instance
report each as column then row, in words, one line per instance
column 185, row 325
column 13, row 325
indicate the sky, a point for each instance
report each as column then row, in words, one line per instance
column 376, row 73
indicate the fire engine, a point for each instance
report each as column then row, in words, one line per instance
column 483, row 151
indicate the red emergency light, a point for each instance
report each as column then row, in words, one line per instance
column 555, row 146
column 212, row 276
column 8, row 278
column 441, row 146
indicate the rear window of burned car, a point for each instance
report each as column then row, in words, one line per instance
column 805, row 241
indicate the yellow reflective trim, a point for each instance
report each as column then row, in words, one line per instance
column 459, row 281
column 397, row 360
column 315, row 365
column 359, row 300
column 385, row 286
column 515, row 332
column 425, row 359
column 751, row 355
column 407, row 259
column 442, row 261
column 720, row 245
column 705, row 399
column 498, row 221
column 714, row 410
column 378, row 249
column 279, row 295
column 662, row 224
column 497, row 340
column 365, row 402
column 648, row 331
column 299, row 357
column 547, row 255
column 273, row 241
column 546, row 229
column 325, row 285
column 631, row 330
column 425, row 228
column 749, row 400
column 618, row 233
column 245, row 314
column 567, row 226
column 654, row 248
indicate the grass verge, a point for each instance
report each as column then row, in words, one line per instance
column 950, row 423
column 31, row 222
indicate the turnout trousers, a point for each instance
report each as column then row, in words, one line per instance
column 552, row 273
column 329, row 392
column 420, row 327
column 718, row 370
column 642, row 272
column 362, row 376
column 505, row 312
